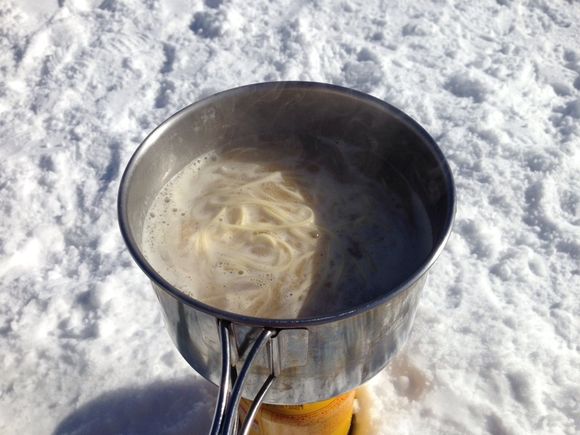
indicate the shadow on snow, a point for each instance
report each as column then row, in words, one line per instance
column 178, row 407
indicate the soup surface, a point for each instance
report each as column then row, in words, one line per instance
column 285, row 231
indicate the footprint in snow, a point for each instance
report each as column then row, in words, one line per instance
column 169, row 54
column 206, row 25
column 462, row 86
column 166, row 90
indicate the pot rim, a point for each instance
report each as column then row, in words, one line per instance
column 156, row 278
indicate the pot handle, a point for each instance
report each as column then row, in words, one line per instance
column 225, row 417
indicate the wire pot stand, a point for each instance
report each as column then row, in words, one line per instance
column 225, row 419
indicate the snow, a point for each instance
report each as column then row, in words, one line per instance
column 496, row 344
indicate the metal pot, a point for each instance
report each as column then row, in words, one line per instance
column 299, row 360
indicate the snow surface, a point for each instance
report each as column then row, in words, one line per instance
column 496, row 344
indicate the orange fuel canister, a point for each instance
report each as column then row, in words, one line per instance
column 329, row 417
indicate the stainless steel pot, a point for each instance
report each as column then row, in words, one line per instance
column 293, row 360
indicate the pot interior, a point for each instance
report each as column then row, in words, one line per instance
column 389, row 147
